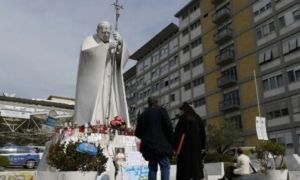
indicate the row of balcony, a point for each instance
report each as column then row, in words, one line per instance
column 223, row 35
column 229, row 104
column 221, row 15
column 227, row 81
column 226, row 56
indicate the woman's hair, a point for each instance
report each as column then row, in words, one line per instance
column 187, row 109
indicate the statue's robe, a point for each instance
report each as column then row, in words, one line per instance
column 100, row 93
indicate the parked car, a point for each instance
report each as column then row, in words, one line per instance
column 20, row 156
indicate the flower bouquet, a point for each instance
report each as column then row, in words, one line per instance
column 77, row 156
column 118, row 123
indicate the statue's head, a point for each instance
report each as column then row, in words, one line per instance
column 103, row 31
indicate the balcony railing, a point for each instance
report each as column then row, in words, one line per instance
column 217, row 2
column 221, row 15
column 225, row 57
column 230, row 104
column 223, row 35
column 226, row 81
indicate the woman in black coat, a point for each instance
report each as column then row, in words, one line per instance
column 190, row 139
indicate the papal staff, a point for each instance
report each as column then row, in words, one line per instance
column 118, row 7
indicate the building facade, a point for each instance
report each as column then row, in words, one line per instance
column 169, row 66
column 222, row 45
column 243, row 37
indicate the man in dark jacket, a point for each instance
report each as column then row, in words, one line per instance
column 155, row 131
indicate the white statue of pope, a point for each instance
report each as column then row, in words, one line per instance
column 100, row 94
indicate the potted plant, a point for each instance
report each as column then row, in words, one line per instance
column 220, row 139
column 271, row 157
column 75, row 161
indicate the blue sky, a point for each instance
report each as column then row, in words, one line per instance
column 41, row 39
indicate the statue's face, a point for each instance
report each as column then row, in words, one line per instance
column 104, row 33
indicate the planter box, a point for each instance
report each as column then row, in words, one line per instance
column 214, row 170
column 67, row 175
column 294, row 175
column 273, row 174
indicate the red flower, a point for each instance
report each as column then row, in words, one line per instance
column 81, row 128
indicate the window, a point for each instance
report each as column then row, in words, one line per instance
column 140, row 67
column 281, row 21
column 230, row 72
column 164, row 68
column 174, row 79
column 155, row 57
column 263, row 9
column 164, row 51
column 147, row 63
column 173, row 44
column 268, row 55
column 140, row 81
column 166, row 83
column 231, row 98
column 195, row 24
column 293, row 75
column 273, row 83
column 184, row 15
column 194, row 8
column 296, row 103
column 198, row 81
column 279, row 140
column 196, row 43
column 291, row 45
column 173, row 61
column 155, row 87
column 297, row 14
column 236, row 121
column 186, row 67
column 268, row 5
column 187, row 86
column 277, row 113
column 197, row 62
column 265, row 29
column 199, row 102
column 272, row 26
column 186, row 49
column 154, row 73
column 172, row 97
column 185, row 32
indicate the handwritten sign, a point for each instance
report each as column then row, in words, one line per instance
column 261, row 129
column 137, row 172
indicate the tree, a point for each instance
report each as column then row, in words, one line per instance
column 223, row 137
